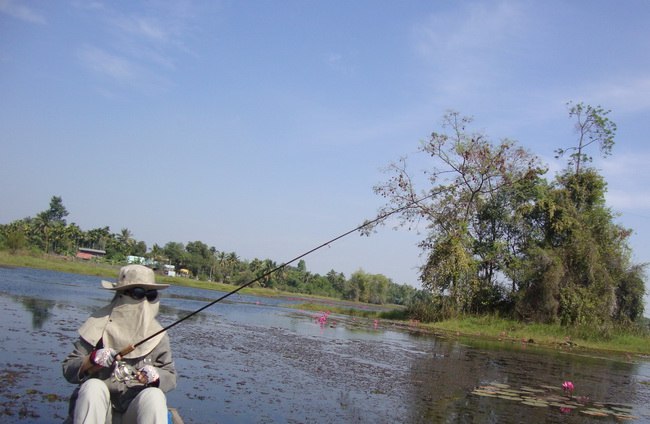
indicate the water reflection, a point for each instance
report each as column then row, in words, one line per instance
column 39, row 308
column 464, row 367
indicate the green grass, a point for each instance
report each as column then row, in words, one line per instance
column 620, row 340
column 58, row 263
column 394, row 314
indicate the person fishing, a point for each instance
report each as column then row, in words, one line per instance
column 134, row 392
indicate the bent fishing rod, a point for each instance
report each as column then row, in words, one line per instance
column 131, row 348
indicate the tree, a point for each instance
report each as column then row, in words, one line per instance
column 175, row 253
column 157, row 254
column 359, row 286
column 592, row 126
column 125, row 237
column 16, row 239
column 97, row 238
column 468, row 172
column 578, row 268
column 56, row 213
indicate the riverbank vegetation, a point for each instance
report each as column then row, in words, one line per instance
column 502, row 241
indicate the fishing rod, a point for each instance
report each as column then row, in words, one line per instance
column 131, row 348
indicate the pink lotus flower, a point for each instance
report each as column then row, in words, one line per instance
column 568, row 388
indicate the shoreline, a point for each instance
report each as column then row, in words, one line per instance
column 522, row 334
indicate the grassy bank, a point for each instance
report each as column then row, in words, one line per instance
column 621, row 340
column 495, row 328
column 554, row 336
column 97, row 269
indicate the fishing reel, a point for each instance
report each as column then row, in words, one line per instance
column 124, row 371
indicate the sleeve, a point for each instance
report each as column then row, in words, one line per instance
column 73, row 362
column 162, row 360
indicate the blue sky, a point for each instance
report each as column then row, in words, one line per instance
column 261, row 127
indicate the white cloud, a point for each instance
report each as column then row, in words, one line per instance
column 624, row 95
column 18, row 10
column 122, row 71
column 143, row 27
column 627, row 200
column 627, row 177
column 106, row 64
column 467, row 46
column 144, row 44
column 338, row 63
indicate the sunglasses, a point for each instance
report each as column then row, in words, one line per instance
column 138, row 293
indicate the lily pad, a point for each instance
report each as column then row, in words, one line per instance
column 595, row 413
column 506, row 397
column 500, row 385
column 532, row 390
column 626, row 417
column 532, row 403
column 481, row 393
column 563, row 405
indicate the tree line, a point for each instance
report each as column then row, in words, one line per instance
column 49, row 232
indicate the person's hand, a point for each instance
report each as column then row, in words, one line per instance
column 103, row 357
column 148, row 374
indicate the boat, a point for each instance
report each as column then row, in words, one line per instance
column 174, row 416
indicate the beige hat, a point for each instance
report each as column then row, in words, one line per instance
column 134, row 276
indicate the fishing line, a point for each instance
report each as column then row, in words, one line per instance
column 129, row 349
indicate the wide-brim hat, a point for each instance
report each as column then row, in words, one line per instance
column 134, row 276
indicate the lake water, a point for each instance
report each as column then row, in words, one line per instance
column 253, row 360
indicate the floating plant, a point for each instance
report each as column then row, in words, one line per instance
column 551, row 396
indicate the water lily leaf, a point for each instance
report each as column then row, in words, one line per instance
column 622, row 409
column 626, row 417
column 563, row 405
column 594, row 412
column 509, row 397
column 488, row 394
column 500, row 385
column 508, row 392
column 532, row 390
column 531, row 403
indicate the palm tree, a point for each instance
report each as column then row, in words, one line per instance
column 125, row 237
column 42, row 225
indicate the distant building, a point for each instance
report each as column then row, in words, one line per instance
column 86, row 253
column 140, row 260
column 170, row 270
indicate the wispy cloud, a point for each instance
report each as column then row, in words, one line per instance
column 121, row 70
column 627, row 176
column 339, row 63
column 139, row 48
column 626, row 201
column 18, row 10
column 466, row 47
column 104, row 63
column 623, row 94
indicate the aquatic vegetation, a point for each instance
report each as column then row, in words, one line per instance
column 548, row 396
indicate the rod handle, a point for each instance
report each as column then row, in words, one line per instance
column 94, row 368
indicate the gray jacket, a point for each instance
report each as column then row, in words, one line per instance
column 122, row 392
